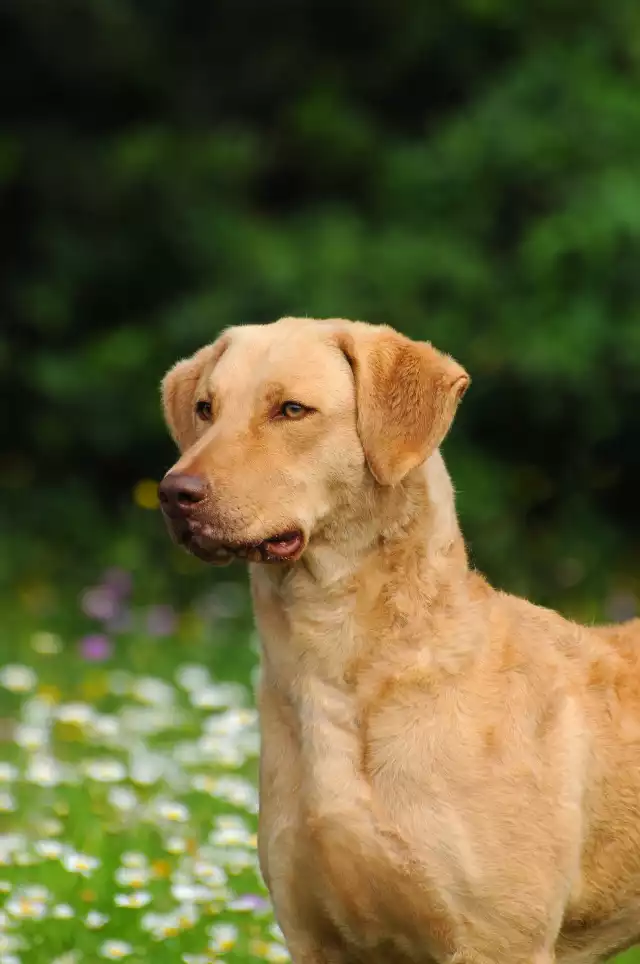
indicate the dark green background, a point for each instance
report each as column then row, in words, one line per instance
column 467, row 171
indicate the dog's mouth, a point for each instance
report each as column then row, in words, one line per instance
column 282, row 547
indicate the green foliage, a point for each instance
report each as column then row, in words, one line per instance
column 467, row 172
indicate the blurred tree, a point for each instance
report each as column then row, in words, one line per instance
column 467, row 172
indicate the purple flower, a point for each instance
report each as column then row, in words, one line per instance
column 119, row 581
column 161, row 620
column 96, row 647
column 122, row 622
column 250, row 902
column 100, row 602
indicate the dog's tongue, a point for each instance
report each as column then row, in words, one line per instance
column 287, row 545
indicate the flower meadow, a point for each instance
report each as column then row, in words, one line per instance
column 128, row 761
column 128, row 801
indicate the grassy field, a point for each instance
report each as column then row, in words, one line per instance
column 127, row 784
column 128, row 750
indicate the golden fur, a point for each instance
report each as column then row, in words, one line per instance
column 448, row 773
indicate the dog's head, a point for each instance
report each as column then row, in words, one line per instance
column 280, row 425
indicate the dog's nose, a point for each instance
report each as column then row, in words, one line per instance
column 180, row 491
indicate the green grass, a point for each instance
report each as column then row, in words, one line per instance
column 127, row 781
column 127, row 788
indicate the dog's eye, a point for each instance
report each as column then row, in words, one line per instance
column 203, row 410
column 293, row 410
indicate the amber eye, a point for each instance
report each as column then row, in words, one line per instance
column 293, row 410
column 203, row 410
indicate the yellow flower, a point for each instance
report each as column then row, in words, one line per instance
column 94, row 687
column 49, row 693
column 161, row 868
column 145, row 494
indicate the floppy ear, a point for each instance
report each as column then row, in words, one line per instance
column 407, row 393
column 179, row 392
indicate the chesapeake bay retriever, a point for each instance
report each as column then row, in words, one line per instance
column 448, row 773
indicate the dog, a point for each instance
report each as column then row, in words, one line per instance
column 448, row 773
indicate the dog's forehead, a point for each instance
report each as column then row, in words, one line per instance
column 298, row 355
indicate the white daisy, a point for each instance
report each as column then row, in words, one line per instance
column 146, row 768
column 217, row 696
column 9, row 943
column 231, row 723
column 105, row 771
column 123, row 799
column 237, row 791
column 23, row 907
column 18, row 678
column 95, row 920
column 192, row 676
column 175, row 845
column 223, row 937
column 77, row 863
column 49, row 849
column 71, row 957
column 211, row 874
column 136, row 899
column 75, row 714
column 277, row 953
column 132, row 876
column 44, row 771
column 30, row 737
column 63, row 911
column 163, row 926
column 231, row 832
column 133, row 858
column 153, row 691
column 172, row 811
column 7, row 802
column 191, row 893
column 115, row 950
column 235, row 859
column 106, row 727
column 50, row 827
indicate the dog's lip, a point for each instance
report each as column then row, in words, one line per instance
column 286, row 546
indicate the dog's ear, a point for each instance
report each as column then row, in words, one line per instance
column 407, row 393
column 179, row 392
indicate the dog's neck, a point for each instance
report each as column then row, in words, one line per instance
column 389, row 563
column 416, row 517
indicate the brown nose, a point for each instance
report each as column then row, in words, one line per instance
column 179, row 492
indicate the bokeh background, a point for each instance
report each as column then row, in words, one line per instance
column 468, row 172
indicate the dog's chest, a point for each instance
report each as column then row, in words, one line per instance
column 366, row 880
